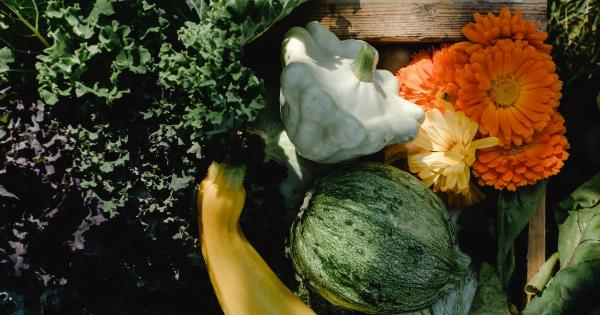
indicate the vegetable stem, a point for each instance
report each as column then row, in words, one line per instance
column 229, row 176
column 363, row 66
column 32, row 28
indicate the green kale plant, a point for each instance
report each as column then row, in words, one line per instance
column 136, row 137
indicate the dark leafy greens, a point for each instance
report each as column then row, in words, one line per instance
column 575, row 286
column 136, row 136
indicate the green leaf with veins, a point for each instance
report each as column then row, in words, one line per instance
column 578, row 280
column 573, row 290
column 27, row 13
column 579, row 237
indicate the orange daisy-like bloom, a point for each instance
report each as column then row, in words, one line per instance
column 446, row 63
column 488, row 29
column 511, row 89
column 415, row 82
column 429, row 81
column 510, row 167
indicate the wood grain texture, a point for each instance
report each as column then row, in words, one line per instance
column 403, row 21
column 536, row 244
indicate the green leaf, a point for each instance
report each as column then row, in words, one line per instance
column 579, row 237
column 199, row 6
column 538, row 282
column 3, row 21
column 490, row 299
column 574, row 290
column 514, row 211
column 585, row 196
column 100, row 52
column 287, row 7
column 178, row 183
column 26, row 13
column 27, row 9
column 6, row 57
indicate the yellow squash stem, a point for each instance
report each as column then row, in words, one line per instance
column 243, row 282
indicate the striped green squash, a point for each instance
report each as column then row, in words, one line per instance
column 373, row 238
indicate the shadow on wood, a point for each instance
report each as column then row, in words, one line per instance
column 402, row 21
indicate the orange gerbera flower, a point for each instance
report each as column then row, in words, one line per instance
column 488, row 29
column 509, row 167
column 429, row 81
column 510, row 89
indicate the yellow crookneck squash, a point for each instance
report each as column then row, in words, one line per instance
column 242, row 280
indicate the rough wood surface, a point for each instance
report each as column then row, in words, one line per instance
column 536, row 244
column 402, row 21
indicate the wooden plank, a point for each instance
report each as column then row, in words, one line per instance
column 536, row 244
column 403, row 21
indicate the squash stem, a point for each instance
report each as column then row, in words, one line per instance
column 363, row 66
column 226, row 175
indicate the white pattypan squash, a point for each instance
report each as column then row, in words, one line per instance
column 335, row 105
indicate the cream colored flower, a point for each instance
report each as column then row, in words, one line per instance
column 443, row 153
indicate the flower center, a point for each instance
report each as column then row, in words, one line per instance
column 505, row 92
column 514, row 150
column 458, row 148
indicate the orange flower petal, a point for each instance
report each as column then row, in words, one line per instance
column 511, row 166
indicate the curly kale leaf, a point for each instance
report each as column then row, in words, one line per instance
column 98, row 162
column 42, row 212
column 6, row 57
column 220, row 92
column 100, row 50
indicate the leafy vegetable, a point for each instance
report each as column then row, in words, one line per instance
column 128, row 216
column 579, row 237
column 6, row 57
column 514, row 211
column 538, row 282
column 575, row 29
column 585, row 196
column 574, row 290
column 96, row 49
column 220, row 93
column 42, row 212
column 577, row 282
column 490, row 298
column 23, row 34
column 28, row 14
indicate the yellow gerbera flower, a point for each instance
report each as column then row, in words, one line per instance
column 444, row 151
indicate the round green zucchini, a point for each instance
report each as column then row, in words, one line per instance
column 373, row 238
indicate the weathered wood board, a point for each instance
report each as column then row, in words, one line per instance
column 403, row 21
